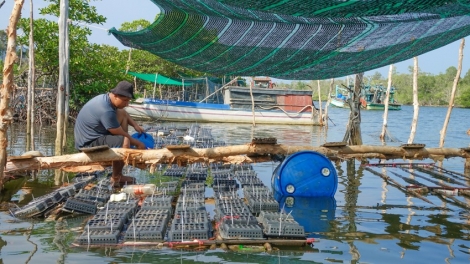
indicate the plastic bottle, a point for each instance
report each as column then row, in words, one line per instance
column 139, row 189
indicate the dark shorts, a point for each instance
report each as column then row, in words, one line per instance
column 113, row 141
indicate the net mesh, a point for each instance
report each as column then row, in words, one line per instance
column 295, row 39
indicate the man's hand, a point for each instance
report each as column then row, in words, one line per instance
column 139, row 129
column 140, row 145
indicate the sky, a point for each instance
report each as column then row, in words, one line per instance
column 120, row 11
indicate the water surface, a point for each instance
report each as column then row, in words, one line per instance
column 368, row 221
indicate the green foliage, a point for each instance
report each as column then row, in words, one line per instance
column 3, row 44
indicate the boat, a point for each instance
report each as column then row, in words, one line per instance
column 372, row 98
column 231, row 104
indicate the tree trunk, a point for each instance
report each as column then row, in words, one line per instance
column 31, row 85
column 452, row 96
column 353, row 130
column 7, row 87
column 414, row 123
column 387, row 98
column 229, row 154
column 328, row 102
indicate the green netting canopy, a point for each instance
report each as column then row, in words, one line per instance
column 311, row 39
column 158, row 78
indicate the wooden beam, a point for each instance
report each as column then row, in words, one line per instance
column 248, row 153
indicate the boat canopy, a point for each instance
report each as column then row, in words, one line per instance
column 160, row 79
column 297, row 39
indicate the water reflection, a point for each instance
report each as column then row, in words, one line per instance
column 313, row 213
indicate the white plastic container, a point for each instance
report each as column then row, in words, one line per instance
column 138, row 189
column 118, row 197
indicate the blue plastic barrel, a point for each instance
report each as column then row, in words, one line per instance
column 305, row 174
column 145, row 138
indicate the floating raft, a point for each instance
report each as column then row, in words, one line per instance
column 174, row 219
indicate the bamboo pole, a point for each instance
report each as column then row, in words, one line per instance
column 229, row 154
column 452, row 96
column 414, row 122
column 387, row 98
column 7, row 86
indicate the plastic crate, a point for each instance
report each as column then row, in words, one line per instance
column 240, row 231
column 100, row 237
column 111, row 223
column 102, row 196
column 30, row 210
column 79, row 205
column 153, row 230
column 189, row 231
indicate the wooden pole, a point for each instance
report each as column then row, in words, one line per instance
column 320, row 116
column 128, row 64
column 63, row 76
column 229, row 154
column 328, row 102
column 452, row 96
column 31, row 85
column 387, row 98
column 155, row 87
column 353, row 130
column 63, row 84
column 414, row 122
column 7, row 86
column 252, row 102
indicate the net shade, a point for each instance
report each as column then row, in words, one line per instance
column 301, row 40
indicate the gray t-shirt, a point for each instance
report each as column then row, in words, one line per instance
column 94, row 119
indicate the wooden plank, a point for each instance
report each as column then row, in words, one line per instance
column 10, row 158
column 173, row 147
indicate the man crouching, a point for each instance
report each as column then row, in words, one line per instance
column 103, row 121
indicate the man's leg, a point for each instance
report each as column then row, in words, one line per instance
column 123, row 118
column 118, row 177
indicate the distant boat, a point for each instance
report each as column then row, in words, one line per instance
column 371, row 98
column 272, row 106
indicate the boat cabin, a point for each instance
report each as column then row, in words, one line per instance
column 262, row 82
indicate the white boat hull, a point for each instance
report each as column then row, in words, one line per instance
column 198, row 114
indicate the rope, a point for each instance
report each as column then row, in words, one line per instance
column 296, row 114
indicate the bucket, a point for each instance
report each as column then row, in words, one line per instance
column 305, row 174
column 145, row 138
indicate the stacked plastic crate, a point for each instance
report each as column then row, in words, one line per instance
column 150, row 222
column 191, row 220
column 108, row 223
column 233, row 218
